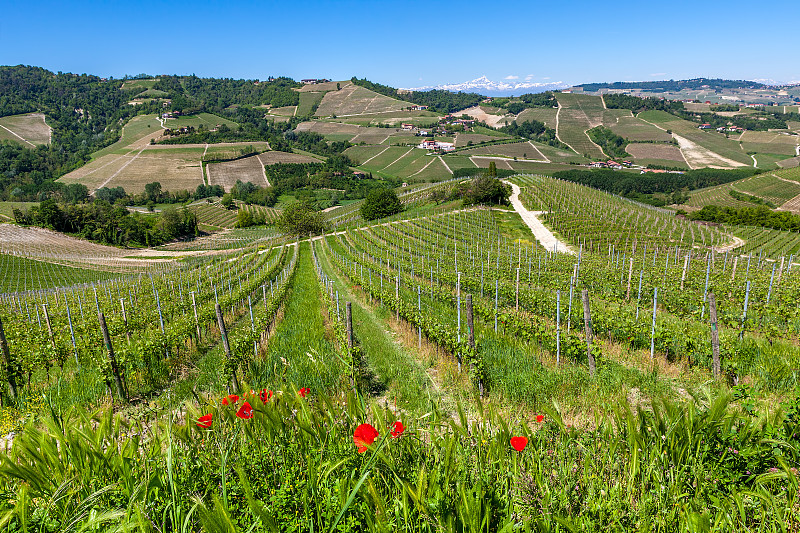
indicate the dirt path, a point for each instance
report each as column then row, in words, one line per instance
column 697, row 156
column 423, row 168
column 755, row 163
column 557, row 137
column 445, row 165
column 737, row 242
column 115, row 174
column 398, row 159
column 542, row 234
column 376, row 155
column 263, row 169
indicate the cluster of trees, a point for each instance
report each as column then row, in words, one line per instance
column 636, row 104
column 84, row 112
column 749, row 216
column 190, row 94
column 316, row 143
column 742, row 197
column 435, row 99
column 334, row 174
column 250, row 193
column 628, row 183
column 611, row 143
column 302, row 219
column 380, row 203
column 518, row 104
column 108, row 223
column 761, row 122
column 674, row 85
column 534, row 130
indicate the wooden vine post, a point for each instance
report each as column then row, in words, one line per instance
column 11, row 373
column 712, row 311
column 227, row 347
column 349, row 324
column 587, row 322
column 112, row 360
column 49, row 326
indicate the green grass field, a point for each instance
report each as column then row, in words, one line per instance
column 307, row 101
column 207, row 120
column 139, row 128
column 7, row 208
column 547, row 115
column 635, row 129
column 29, row 129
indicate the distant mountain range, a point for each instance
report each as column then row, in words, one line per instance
column 484, row 85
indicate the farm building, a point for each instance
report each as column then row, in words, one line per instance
column 419, row 107
column 704, row 126
column 430, row 144
column 407, row 126
column 314, row 81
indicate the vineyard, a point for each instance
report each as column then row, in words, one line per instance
column 439, row 370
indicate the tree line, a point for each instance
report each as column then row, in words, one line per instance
column 113, row 224
column 761, row 216
column 435, row 99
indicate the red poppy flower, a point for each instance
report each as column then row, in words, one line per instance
column 230, row 399
column 265, row 395
column 397, row 429
column 519, row 443
column 539, row 418
column 302, row 392
column 364, row 436
column 245, row 411
column 204, row 421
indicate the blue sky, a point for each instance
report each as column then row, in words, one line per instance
column 409, row 43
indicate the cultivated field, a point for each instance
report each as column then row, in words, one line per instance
column 635, row 129
column 520, row 150
column 29, row 129
column 307, row 101
column 207, row 120
column 270, row 158
column 226, row 174
column 667, row 152
column 776, row 187
column 770, row 142
column 324, row 87
column 547, row 115
column 700, row 147
column 463, row 139
column 579, row 113
column 356, row 100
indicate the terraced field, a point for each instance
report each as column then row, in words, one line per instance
column 29, row 129
column 215, row 216
column 775, row 187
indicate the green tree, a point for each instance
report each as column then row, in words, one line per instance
column 244, row 219
column 152, row 191
column 380, row 203
column 301, row 220
column 492, row 171
column 487, row 190
column 227, row 201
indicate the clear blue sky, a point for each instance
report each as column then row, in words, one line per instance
column 407, row 43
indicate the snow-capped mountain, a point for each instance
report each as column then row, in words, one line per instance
column 484, row 85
